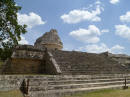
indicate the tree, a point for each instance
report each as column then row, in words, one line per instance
column 10, row 30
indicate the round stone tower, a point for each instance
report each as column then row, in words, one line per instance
column 49, row 40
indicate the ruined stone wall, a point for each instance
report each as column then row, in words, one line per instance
column 26, row 66
column 28, row 54
column 25, row 60
column 28, row 60
column 53, row 46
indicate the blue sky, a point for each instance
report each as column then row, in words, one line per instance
column 85, row 25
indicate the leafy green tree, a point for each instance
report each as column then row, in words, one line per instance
column 5, row 53
column 10, row 30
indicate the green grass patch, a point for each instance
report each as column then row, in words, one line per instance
column 13, row 93
column 105, row 93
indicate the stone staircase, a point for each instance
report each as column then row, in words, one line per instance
column 59, row 86
column 87, row 63
column 62, row 85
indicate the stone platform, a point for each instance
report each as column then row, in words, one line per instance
column 60, row 85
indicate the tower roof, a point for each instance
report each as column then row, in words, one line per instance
column 49, row 38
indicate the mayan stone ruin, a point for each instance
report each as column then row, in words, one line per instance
column 45, row 70
column 47, row 57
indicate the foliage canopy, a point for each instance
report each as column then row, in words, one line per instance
column 10, row 30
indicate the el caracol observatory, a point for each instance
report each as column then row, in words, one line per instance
column 47, row 57
column 50, row 40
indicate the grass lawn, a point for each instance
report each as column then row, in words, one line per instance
column 105, row 93
column 13, row 93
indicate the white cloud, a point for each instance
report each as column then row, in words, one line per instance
column 126, row 17
column 30, row 20
column 78, row 15
column 23, row 41
column 94, row 48
column 123, row 31
column 117, row 49
column 104, row 30
column 98, row 2
column 90, row 35
column 114, row 1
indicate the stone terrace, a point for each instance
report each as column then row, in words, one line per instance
column 73, row 62
column 60, row 85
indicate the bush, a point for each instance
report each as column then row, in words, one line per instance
column 5, row 53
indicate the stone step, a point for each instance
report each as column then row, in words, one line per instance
column 89, row 72
column 86, row 68
column 60, row 82
column 77, row 81
column 53, row 79
column 62, row 92
column 63, row 77
column 60, row 78
column 84, row 81
column 72, row 62
column 78, row 90
column 85, row 85
column 74, row 86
